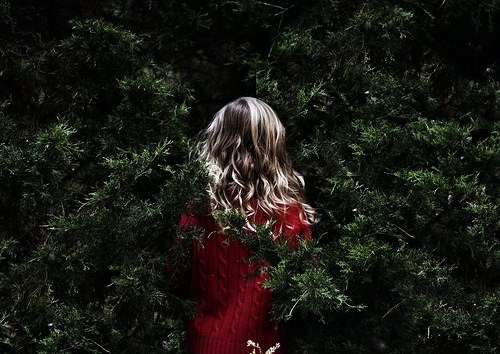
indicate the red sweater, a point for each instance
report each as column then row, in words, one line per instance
column 233, row 307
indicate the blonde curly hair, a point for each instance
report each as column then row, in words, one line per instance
column 244, row 150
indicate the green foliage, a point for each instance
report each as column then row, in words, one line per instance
column 389, row 129
column 94, row 178
column 392, row 114
column 298, row 276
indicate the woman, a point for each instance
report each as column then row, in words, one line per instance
column 250, row 172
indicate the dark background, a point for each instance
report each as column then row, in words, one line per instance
column 392, row 115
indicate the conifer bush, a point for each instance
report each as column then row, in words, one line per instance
column 93, row 180
column 392, row 115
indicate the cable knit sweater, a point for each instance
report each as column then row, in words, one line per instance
column 233, row 307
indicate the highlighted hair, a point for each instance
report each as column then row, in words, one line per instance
column 244, row 150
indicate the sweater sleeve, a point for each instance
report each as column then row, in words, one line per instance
column 295, row 226
column 177, row 266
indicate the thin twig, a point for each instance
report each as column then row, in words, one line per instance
column 100, row 346
column 393, row 308
column 406, row 233
column 271, row 5
column 283, row 11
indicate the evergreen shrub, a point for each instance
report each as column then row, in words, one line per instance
column 392, row 115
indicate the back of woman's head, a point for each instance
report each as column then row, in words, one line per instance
column 244, row 148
